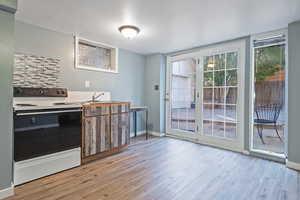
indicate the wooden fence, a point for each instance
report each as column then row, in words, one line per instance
column 270, row 92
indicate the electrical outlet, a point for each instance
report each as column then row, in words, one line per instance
column 87, row 84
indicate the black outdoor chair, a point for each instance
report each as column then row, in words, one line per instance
column 267, row 114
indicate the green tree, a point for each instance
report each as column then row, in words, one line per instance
column 268, row 61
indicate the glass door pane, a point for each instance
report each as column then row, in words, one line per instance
column 219, row 92
column 183, row 95
column 269, row 103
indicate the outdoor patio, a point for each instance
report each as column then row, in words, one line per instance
column 184, row 119
column 272, row 142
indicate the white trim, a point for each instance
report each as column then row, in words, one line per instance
column 245, row 152
column 154, row 133
column 114, row 56
column 88, row 68
column 268, row 153
column 251, row 91
column 269, row 45
column 157, row 134
column 293, row 165
column 7, row 192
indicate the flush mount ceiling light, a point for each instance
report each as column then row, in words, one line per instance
column 129, row 31
column 211, row 65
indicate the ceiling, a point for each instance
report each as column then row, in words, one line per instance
column 166, row 25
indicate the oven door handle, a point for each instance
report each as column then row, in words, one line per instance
column 50, row 112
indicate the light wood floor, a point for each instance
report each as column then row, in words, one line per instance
column 169, row 169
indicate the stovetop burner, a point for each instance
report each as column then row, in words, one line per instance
column 25, row 104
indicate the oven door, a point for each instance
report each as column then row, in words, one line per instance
column 42, row 132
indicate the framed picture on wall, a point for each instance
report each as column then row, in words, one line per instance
column 95, row 56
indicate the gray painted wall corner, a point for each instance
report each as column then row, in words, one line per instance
column 293, row 92
column 6, row 120
column 153, row 98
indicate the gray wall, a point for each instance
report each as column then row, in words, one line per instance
column 154, row 99
column 127, row 85
column 6, row 69
column 293, row 92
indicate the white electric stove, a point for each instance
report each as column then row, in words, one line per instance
column 47, row 131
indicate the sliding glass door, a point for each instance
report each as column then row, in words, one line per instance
column 204, row 96
column 269, row 117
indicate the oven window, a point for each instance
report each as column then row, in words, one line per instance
column 38, row 135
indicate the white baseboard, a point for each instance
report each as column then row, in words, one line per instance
column 7, row 192
column 157, row 134
column 245, row 152
column 293, row 165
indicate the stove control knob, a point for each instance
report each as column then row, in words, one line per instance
column 18, row 91
column 41, row 91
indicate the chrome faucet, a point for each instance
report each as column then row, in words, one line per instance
column 95, row 96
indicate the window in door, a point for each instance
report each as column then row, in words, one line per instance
column 183, row 89
column 220, row 87
column 269, row 102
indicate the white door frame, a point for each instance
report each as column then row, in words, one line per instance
column 251, row 94
column 238, row 45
